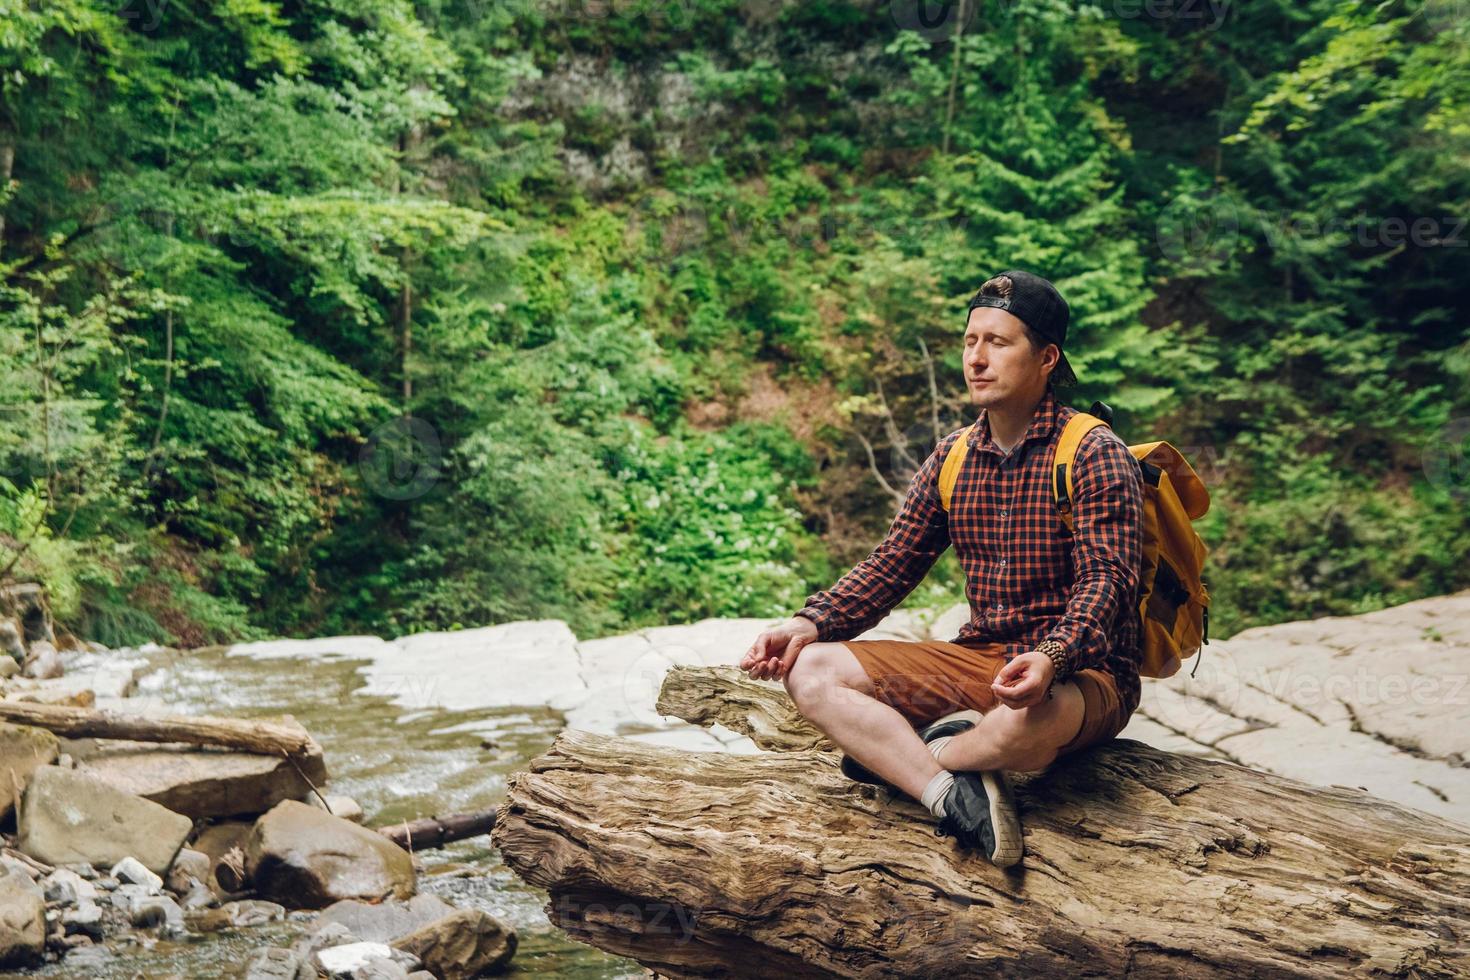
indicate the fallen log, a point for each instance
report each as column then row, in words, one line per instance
column 275, row 738
column 726, row 696
column 431, row 832
column 1138, row 862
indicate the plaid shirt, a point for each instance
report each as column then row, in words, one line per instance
column 1026, row 578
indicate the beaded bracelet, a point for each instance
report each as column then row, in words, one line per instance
column 1058, row 655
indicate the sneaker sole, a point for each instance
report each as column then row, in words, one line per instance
column 1004, row 820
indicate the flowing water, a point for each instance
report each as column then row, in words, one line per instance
column 399, row 765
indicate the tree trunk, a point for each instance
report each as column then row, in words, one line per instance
column 1138, row 862
column 260, row 737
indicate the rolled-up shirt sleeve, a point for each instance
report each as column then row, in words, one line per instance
column 1107, row 548
column 917, row 537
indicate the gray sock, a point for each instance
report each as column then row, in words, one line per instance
column 934, row 794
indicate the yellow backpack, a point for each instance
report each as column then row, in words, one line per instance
column 1174, row 607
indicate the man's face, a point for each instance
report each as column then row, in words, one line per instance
column 1000, row 365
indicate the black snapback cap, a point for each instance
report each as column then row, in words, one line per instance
column 1036, row 301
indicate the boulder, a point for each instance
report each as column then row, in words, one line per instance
column 67, row 816
column 201, row 782
column 22, row 921
column 304, row 857
column 22, row 750
column 466, row 944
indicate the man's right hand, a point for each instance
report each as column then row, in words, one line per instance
column 775, row 650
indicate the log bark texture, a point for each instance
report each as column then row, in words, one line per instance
column 1138, row 863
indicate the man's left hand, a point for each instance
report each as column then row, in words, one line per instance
column 1025, row 681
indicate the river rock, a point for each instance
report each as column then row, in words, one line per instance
column 8, row 667
column 65, row 887
column 85, row 920
column 364, row 961
column 130, row 871
column 339, row 806
column 202, row 782
column 272, row 963
column 10, row 641
column 189, row 866
column 42, row 662
column 236, row 915
column 303, row 857
column 464, row 944
column 22, row 922
column 22, row 750
column 67, row 816
column 385, row 922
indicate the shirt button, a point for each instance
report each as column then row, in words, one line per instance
column 1002, row 561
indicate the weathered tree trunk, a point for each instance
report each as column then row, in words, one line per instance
column 1138, row 862
column 260, row 737
column 431, row 832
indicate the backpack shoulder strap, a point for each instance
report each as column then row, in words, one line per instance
column 949, row 473
column 1062, row 477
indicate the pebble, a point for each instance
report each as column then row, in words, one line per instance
column 131, row 871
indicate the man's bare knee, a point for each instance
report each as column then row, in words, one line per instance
column 823, row 670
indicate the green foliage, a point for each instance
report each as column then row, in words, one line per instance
column 248, row 244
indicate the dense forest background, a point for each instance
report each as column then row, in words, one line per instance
column 370, row 315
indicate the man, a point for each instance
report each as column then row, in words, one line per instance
column 1051, row 652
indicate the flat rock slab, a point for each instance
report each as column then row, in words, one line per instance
column 201, row 782
column 1377, row 701
column 68, row 817
column 22, row 921
column 526, row 662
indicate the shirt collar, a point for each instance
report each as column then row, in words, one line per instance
column 1043, row 423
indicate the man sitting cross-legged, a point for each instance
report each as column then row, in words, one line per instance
column 1050, row 655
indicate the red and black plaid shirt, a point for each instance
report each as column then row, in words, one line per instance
column 1026, row 577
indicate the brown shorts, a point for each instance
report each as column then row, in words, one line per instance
column 925, row 680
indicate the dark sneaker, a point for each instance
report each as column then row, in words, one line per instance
column 980, row 813
column 853, row 769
